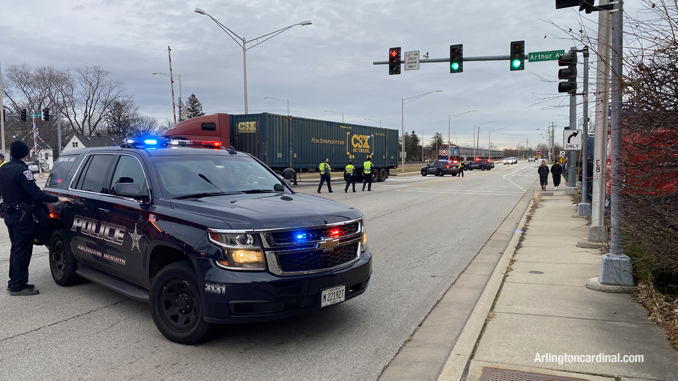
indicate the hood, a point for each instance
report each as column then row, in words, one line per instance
column 270, row 211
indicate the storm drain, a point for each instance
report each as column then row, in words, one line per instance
column 494, row 374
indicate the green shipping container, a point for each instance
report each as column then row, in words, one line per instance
column 301, row 143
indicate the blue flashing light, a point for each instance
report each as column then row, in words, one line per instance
column 151, row 142
column 300, row 237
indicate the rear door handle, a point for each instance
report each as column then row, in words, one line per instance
column 104, row 211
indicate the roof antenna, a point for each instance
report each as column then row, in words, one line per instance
column 232, row 151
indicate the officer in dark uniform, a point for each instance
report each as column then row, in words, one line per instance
column 367, row 174
column 349, row 176
column 20, row 195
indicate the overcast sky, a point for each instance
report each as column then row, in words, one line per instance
column 325, row 66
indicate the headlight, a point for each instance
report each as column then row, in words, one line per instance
column 241, row 251
column 363, row 240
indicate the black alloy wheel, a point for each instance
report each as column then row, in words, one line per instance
column 176, row 304
column 62, row 263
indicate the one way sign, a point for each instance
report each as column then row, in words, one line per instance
column 572, row 140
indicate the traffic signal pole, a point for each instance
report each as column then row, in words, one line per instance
column 572, row 155
column 584, row 207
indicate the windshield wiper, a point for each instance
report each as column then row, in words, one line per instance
column 257, row 191
column 200, row 195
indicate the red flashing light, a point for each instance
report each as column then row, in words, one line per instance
column 447, row 166
column 477, row 159
column 334, row 233
column 393, row 53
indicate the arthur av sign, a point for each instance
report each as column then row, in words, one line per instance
column 545, row 56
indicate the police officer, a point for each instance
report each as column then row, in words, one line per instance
column 367, row 174
column 20, row 195
column 325, row 171
column 349, row 175
column 2, row 159
column 461, row 168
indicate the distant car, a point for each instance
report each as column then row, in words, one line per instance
column 531, row 158
column 482, row 164
column 441, row 168
column 515, row 160
column 33, row 166
column 510, row 160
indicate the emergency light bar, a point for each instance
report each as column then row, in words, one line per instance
column 165, row 142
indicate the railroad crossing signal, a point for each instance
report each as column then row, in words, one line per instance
column 517, row 55
column 457, row 58
column 394, row 61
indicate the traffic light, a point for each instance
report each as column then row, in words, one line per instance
column 457, row 58
column 517, row 55
column 394, row 61
column 23, row 115
column 584, row 5
column 45, row 114
column 570, row 60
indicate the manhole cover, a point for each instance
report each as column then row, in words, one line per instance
column 536, row 272
column 493, row 374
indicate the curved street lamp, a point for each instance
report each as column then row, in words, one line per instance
column 402, row 117
column 242, row 42
column 171, row 77
column 284, row 101
column 449, row 118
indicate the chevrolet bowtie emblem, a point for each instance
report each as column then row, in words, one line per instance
column 327, row 244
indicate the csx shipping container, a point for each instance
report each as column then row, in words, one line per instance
column 287, row 143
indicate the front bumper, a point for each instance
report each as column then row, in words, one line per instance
column 248, row 297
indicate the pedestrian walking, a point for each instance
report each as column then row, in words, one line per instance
column 556, row 173
column 461, row 169
column 325, row 175
column 20, row 197
column 349, row 175
column 543, row 171
column 367, row 174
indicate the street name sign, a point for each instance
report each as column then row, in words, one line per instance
column 545, row 56
column 412, row 60
column 572, row 140
column 35, row 115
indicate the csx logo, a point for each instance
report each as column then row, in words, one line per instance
column 360, row 142
column 247, row 127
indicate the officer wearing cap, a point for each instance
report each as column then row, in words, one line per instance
column 20, row 195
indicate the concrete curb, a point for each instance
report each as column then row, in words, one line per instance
column 461, row 353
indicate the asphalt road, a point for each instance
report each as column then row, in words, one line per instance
column 423, row 231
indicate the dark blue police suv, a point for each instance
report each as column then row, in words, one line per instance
column 204, row 235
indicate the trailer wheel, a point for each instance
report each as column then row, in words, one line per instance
column 382, row 175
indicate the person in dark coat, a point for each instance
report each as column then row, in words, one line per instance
column 543, row 175
column 557, row 173
column 21, row 199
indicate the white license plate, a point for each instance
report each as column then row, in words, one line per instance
column 332, row 296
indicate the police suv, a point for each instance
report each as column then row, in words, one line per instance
column 205, row 235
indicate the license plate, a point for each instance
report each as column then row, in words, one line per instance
column 332, row 296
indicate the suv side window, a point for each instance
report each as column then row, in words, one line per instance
column 94, row 174
column 129, row 170
column 58, row 176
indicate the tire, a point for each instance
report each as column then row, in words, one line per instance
column 382, row 175
column 62, row 263
column 439, row 173
column 423, row 173
column 175, row 303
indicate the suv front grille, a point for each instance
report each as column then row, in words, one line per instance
column 313, row 234
column 318, row 260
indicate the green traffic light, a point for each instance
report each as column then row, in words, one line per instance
column 515, row 63
column 455, row 66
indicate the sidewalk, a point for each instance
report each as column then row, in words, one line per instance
column 544, row 308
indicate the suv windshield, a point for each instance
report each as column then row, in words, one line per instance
column 202, row 176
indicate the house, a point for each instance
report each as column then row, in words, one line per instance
column 84, row 141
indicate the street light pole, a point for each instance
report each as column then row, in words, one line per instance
column 402, row 120
column 171, row 77
column 489, row 141
column 338, row 112
column 282, row 100
column 242, row 42
column 449, row 118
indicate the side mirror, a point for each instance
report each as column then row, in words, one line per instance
column 279, row 187
column 130, row 190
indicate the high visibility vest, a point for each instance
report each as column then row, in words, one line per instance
column 367, row 167
column 324, row 168
column 350, row 169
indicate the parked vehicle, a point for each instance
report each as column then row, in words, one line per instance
column 204, row 235
column 441, row 168
column 290, row 145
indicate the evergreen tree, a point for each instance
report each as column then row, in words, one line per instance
column 193, row 107
column 119, row 120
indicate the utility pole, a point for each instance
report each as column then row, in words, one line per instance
column 584, row 207
column 572, row 155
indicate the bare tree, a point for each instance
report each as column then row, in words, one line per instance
column 88, row 98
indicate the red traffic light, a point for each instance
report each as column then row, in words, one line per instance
column 393, row 53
